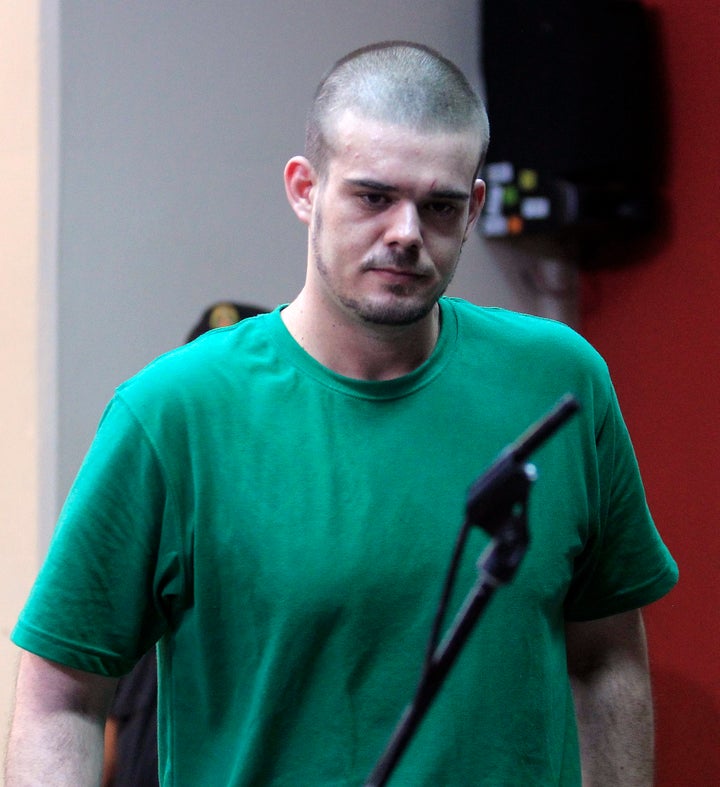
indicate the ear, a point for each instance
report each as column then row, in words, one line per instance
column 477, row 200
column 300, row 180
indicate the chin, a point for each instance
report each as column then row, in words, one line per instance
column 396, row 313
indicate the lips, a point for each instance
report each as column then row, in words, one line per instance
column 399, row 268
column 401, row 272
column 398, row 277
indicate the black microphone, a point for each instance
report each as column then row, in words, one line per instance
column 495, row 490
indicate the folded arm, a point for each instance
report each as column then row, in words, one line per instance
column 57, row 730
column 608, row 668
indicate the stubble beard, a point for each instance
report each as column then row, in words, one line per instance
column 400, row 307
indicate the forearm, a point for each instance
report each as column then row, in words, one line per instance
column 57, row 731
column 615, row 725
column 613, row 702
column 110, row 754
column 58, row 749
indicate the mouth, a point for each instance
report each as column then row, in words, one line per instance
column 401, row 269
column 397, row 273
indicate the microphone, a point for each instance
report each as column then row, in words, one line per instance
column 496, row 490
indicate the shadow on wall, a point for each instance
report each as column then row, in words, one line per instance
column 688, row 731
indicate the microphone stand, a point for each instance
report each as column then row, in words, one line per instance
column 497, row 502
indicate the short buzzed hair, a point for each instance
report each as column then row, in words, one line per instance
column 397, row 82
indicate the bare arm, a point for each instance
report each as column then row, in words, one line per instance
column 56, row 737
column 608, row 668
column 110, row 759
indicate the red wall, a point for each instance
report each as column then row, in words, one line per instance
column 657, row 322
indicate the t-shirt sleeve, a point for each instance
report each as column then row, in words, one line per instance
column 113, row 572
column 625, row 564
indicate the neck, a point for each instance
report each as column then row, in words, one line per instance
column 360, row 350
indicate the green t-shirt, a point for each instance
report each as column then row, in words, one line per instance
column 284, row 532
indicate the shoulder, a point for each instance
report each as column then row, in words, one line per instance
column 196, row 365
column 524, row 335
column 208, row 371
column 513, row 350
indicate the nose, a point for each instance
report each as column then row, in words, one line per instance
column 403, row 228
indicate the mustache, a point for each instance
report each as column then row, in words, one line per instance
column 400, row 259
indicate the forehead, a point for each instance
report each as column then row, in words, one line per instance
column 365, row 146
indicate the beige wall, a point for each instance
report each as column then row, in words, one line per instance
column 19, row 212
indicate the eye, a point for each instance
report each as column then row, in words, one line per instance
column 442, row 209
column 374, row 199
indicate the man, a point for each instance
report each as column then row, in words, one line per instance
column 276, row 504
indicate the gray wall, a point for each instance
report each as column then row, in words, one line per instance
column 175, row 122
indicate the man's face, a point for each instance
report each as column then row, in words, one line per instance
column 389, row 219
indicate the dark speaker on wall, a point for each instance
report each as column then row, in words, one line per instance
column 573, row 91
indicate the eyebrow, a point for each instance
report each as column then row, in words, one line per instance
column 385, row 188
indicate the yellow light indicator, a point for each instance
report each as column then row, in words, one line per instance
column 528, row 179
